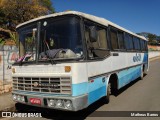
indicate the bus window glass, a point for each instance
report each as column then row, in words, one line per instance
column 142, row 45
column 136, row 43
column 102, row 38
column 130, row 42
column 121, row 40
column 100, row 47
column 114, row 39
column 145, row 46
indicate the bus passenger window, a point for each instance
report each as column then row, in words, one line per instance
column 102, row 38
column 114, row 39
column 136, row 43
column 121, row 40
column 131, row 42
column 142, row 45
column 145, row 45
column 128, row 41
column 96, row 49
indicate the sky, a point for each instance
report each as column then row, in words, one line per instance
column 134, row 15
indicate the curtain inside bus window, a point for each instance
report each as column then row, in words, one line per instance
column 114, row 39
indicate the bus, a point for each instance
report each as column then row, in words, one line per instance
column 69, row 60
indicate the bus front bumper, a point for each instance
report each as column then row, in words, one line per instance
column 68, row 103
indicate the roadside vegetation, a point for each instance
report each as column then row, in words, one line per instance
column 14, row 12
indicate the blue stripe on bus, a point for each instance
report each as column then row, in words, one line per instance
column 79, row 89
column 96, row 94
column 145, row 58
column 97, row 89
column 126, row 76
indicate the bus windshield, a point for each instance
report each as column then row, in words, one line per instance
column 60, row 38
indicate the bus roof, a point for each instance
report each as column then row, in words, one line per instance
column 87, row 16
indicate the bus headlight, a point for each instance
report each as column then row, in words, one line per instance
column 14, row 97
column 59, row 103
column 19, row 98
column 22, row 99
column 68, row 104
column 51, row 102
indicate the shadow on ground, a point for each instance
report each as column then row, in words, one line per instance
column 59, row 115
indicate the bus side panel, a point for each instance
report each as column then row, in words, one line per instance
column 79, row 79
column 128, row 75
column 96, row 88
column 79, row 89
column 145, row 60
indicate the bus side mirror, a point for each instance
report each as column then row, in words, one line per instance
column 93, row 34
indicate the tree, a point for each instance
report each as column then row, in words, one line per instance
column 152, row 38
column 18, row 11
column 48, row 4
column 3, row 21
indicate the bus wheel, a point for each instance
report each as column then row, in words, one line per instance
column 107, row 98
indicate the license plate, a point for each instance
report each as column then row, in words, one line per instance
column 35, row 101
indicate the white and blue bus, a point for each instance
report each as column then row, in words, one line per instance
column 69, row 60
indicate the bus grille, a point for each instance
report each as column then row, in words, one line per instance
column 47, row 85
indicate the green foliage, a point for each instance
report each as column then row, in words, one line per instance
column 153, row 39
column 2, row 42
column 3, row 20
column 14, row 12
column 29, row 40
column 14, row 37
column 48, row 4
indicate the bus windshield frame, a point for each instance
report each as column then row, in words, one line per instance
column 60, row 39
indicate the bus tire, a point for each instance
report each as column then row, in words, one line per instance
column 107, row 98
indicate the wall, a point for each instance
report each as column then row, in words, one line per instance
column 153, row 54
column 151, row 47
column 8, row 54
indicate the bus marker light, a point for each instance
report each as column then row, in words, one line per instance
column 67, row 68
column 13, row 70
column 91, row 81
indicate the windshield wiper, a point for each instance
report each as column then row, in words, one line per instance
column 65, row 59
